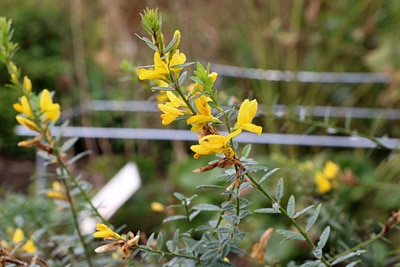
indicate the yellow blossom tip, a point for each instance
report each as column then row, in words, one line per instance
column 157, row 207
column 103, row 231
column 27, row 85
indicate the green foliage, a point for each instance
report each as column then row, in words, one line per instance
column 38, row 29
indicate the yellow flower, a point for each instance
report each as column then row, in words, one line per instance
column 163, row 67
column 203, row 115
column 121, row 246
column 24, row 107
column 178, row 58
column 27, row 123
column 18, row 236
column 325, row 179
column 160, row 71
column 212, row 144
column 51, row 110
column 57, row 192
column 247, row 112
column 27, row 85
column 162, row 95
column 14, row 78
column 157, row 207
column 323, row 184
column 172, row 109
column 103, row 231
column 29, row 246
column 331, row 169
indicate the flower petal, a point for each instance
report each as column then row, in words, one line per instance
column 252, row 128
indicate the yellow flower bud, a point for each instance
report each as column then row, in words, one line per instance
column 157, row 207
column 14, row 77
column 27, row 85
column 29, row 247
column 103, row 231
column 18, row 236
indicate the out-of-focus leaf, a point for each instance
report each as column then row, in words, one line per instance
column 279, row 189
column 291, row 206
column 313, row 218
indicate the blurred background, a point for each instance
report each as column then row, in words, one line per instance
column 75, row 48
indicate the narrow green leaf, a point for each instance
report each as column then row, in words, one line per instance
column 150, row 240
column 182, row 65
column 160, row 241
column 246, row 151
column 210, row 186
column 172, row 245
column 303, row 211
column 317, row 253
column 193, row 215
column 348, row 256
column 179, row 196
column 290, row 235
column 171, row 44
column 267, row 175
column 291, row 206
column 324, row 237
column 313, row 218
column 316, row 263
column 197, row 80
column 77, row 157
column 212, row 104
column 174, row 218
column 60, row 133
column 279, row 189
column 206, row 207
column 162, row 88
column 68, row 144
column 148, row 43
column 182, row 78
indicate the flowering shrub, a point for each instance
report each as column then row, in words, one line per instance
column 217, row 242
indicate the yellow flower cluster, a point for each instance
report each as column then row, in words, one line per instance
column 166, row 68
column 36, row 111
column 194, row 103
column 32, row 114
column 18, row 238
column 326, row 179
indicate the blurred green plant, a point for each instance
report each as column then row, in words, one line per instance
column 39, row 31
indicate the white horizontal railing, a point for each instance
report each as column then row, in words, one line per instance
column 186, row 135
column 300, row 76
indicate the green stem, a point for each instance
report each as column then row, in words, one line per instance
column 87, row 199
column 76, row 223
column 67, row 173
column 166, row 253
column 178, row 89
column 187, row 214
column 285, row 214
